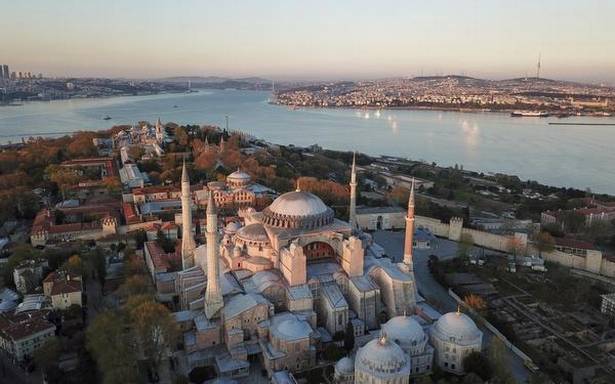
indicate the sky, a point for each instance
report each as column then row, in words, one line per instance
column 310, row 40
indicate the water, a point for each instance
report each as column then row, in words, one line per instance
column 572, row 156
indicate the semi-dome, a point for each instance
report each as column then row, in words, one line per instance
column 382, row 357
column 458, row 327
column 344, row 366
column 253, row 233
column 298, row 209
column 232, row 227
column 404, row 330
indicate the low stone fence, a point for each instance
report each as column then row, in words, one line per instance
column 492, row 329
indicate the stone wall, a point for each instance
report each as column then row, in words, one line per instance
column 594, row 262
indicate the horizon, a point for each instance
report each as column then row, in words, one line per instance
column 320, row 42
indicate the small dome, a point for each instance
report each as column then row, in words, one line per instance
column 238, row 179
column 232, row 227
column 238, row 175
column 381, row 356
column 404, row 330
column 253, row 232
column 344, row 366
column 456, row 325
column 292, row 329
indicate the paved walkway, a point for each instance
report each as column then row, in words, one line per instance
column 431, row 290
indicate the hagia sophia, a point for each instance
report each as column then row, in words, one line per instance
column 275, row 285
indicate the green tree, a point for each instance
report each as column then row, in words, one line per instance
column 497, row 357
column 64, row 177
column 48, row 354
column 135, row 285
column 109, row 342
column 465, row 245
column 156, row 331
column 476, row 363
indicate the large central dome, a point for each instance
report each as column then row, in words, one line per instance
column 299, row 210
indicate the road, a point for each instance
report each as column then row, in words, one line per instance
column 431, row 290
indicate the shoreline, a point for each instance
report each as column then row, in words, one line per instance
column 435, row 108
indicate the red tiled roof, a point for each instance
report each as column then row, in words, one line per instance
column 20, row 326
column 573, row 243
column 161, row 259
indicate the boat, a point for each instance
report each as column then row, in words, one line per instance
column 529, row 114
column 107, row 117
column 175, row 106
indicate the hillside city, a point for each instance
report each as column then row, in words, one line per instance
column 166, row 253
column 559, row 98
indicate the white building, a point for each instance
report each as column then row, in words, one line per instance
column 455, row 336
column 22, row 334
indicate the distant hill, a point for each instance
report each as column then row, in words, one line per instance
column 211, row 79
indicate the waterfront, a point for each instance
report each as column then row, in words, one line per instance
column 564, row 155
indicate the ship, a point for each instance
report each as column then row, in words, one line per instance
column 529, row 114
column 107, row 117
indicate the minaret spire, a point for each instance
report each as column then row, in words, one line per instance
column 213, row 293
column 352, row 211
column 188, row 243
column 409, row 230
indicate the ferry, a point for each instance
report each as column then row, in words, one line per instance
column 107, row 117
column 529, row 114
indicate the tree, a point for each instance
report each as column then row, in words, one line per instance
column 349, row 337
column 476, row 363
column 515, row 246
column 46, row 356
column 73, row 265
column 64, row 177
column 108, row 341
column 333, row 353
column 544, row 242
column 475, row 302
column 135, row 285
column 156, row 330
column 181, row 136
column 112, row 184
column 136, row 152
column 472, row 378
column 465, row 245
column 497, row 359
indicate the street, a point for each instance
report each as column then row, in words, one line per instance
column 431, row 290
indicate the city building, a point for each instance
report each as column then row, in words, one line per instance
column 64, row 289
column 608, row 304
column 381, row 218
column 22, row 334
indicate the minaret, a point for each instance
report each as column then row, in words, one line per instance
column 222, row 143
column 159, row 131
column 213, row 294
column 409, row 230
column 352, row 212
column 188, row 243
